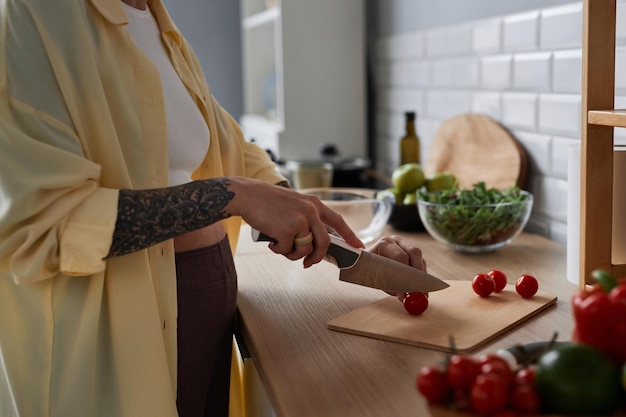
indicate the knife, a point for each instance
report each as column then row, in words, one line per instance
column 371, row 270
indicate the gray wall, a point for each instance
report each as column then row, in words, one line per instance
column 213, row 29
column 397, row 16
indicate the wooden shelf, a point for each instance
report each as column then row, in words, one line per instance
column 614, row 118
column 597, row 141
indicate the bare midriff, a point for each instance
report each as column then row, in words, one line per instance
column 200, row 238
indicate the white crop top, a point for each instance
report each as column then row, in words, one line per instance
column 188, row 133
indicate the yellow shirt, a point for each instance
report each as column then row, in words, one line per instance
column 81, row 117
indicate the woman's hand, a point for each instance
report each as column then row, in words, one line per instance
column 401, row 250
column 290, row 217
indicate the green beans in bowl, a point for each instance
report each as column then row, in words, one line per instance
column 475, row 220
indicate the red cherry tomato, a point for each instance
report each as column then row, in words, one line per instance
column 462, row 370
column 493, row 358
column 432, row 383
column 490, row 394
column 499, row 368
column 526, row 286
column 525, row 399
column 499, row 278
column 483, row 285
column 415, row 303
column 525, row 376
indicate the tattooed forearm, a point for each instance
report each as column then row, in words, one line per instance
column 147, row 217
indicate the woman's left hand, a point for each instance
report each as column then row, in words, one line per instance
column 400, row 249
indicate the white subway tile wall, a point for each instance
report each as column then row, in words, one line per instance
column 523, row 70
column 521, row 32
column 567, row 71
column 486, row 36
column 532, row 71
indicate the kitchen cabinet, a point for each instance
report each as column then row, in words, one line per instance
column 304, row 76
column 599, row 118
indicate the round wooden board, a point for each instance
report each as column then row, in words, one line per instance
column 476, row 148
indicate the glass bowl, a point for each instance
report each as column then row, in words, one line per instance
column 365, row 210
column 476, row 228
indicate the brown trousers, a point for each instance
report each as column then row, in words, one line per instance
column 207, row 293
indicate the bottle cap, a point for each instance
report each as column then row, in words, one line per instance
column 410, row 115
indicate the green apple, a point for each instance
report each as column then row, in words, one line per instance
column 396, row 193
column 410, row 199
column 407, row 178
column 441, row 181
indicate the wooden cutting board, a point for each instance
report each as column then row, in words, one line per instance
column 476, row 148
column 456, row 311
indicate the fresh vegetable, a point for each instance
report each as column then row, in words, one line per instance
column 500, row 368
column 483, row 285
column 415, row 303
column 483, row 386
column 526, row 286
column 486, row 358
column 489, row 394
column 525, row 399
column 499, row 278
column 462, row 371
column 525, row 375
column 600, row 315
column 478, row 216
column 432, row 383
column 604, row 279
column 576, row 378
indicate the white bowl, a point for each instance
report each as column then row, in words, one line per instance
column 365, row 210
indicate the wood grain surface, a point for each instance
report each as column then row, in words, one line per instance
column 476, row 148
column 309, row 370
column 453, row 312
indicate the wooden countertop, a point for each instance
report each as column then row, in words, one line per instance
column 309, row 370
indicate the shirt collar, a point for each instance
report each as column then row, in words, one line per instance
column 113, row 11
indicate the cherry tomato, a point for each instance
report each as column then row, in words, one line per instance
column 525, row 376
column 462, row 370
column 483, row 285
column 525, row 399
column 499, row 278
column 415, row 303
column 490, row 394
column 491, row 357
column 499, row 368
column 432, row 383
column 526, row 286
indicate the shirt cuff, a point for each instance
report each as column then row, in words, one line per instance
column 88, row 234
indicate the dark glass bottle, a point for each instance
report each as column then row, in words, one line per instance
column 410, row 143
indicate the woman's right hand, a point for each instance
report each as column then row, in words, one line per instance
column 288, row 216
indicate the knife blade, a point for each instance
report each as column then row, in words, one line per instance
column 371, row 270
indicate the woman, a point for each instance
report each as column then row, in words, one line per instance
column 123, row 184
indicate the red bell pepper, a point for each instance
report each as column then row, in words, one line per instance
column 600, row 316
